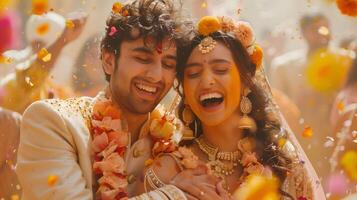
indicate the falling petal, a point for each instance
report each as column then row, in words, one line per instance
column 51, row 180
column 69, row 23
column 204, row 5
column 15, row 197
column 307, row 132
column 340, row 106
column 323, row 30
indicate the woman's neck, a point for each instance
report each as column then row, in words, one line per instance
column 225, row 135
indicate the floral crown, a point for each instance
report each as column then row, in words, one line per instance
column 241, row 30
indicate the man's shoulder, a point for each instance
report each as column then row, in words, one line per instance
column 68, row 108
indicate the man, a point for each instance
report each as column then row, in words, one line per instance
column 289, row 74
column 56, row 145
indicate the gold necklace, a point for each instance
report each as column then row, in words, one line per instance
column 216, row 157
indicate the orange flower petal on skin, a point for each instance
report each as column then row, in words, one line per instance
column 347, row 7
column 69, row 24
column 43, row 29
column 39, row 7
column 307, row 133
column 51, row 180
column 257, row 56
column 100, row 107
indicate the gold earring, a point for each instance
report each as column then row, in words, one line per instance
column 247, row 122
column 187, row 117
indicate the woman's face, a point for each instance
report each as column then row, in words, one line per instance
column 212, row 84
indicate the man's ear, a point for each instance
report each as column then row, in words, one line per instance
column 108, row 62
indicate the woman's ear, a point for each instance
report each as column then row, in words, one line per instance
column 108, row 62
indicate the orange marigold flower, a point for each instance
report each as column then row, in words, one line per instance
column 117, row 8
column 257, row 56
column 39, row 7
column 227, row 24
column 43, row 29
column 208, row 25
column 307, row 132
column 347, row 7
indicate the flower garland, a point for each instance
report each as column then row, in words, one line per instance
column 111, row 141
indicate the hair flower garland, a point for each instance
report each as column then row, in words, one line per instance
column 208, row 25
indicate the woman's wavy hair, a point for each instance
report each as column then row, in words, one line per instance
column 268, row 126
column 152, row 20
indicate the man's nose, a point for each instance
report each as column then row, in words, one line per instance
column 154, row 72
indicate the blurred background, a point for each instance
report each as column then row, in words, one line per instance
column 309, row 58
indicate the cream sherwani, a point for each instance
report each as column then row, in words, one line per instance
column 55, row 140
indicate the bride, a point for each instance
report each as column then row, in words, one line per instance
column 228, row 110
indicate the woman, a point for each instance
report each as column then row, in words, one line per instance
column 228, row 107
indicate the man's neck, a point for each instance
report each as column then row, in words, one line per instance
column 134, row 121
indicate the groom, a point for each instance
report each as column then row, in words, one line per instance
column 55, row 158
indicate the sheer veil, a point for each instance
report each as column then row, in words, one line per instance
column 302, row 167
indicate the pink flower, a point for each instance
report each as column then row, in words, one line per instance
column 108, row 124
column 121, row 138
column 244, row 33
column 113, row 163
column 112, row 146
column 100, row 142
column 113, row 180
column 113, row 30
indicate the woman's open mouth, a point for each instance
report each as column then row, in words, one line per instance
column 211, row 101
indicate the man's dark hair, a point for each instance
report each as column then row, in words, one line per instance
column 152, row 20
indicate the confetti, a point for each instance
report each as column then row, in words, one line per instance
column 39, row 7
column 204, row 5
column 117, row 7
column 51, row 180
column 69, row 23
column 28, row 81
column 44, row 55
column 307, row 132
column 340, row 106
column 18, row 187
column 282, row 142
column 42, row 29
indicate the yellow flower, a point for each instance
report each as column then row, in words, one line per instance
column 258, row 187
column 326, row 71
column 349, row 164
column 208, row 25
column 347, row 7
column 117, row 8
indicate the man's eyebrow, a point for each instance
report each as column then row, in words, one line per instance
column 143, row 50
column 172, row 57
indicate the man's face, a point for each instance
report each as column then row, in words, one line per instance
column 317, row 33
column 142, row 76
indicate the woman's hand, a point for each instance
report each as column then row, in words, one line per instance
column 199, row 185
